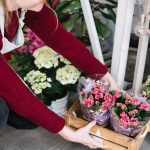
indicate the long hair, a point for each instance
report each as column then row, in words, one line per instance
column 50, row 7
column 7, row 14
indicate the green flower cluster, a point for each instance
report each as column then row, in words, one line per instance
column 38, row 81
column 67, row 75
column 148, row 87
column 45, row 57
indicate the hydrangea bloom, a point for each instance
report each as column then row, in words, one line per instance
column 45, row 57
column 37, row 80
column 67, row 74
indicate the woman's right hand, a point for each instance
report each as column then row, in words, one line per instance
column 81, row 136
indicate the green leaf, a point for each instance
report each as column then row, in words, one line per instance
column 83, row 28
column 112, row 14
column 107, row 16
column 70, row 24
column 113, row 2
column 145, row 114
column 61, row 6
column 101, row 28
column 74, row 5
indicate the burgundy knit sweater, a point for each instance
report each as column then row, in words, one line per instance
column 12, row 89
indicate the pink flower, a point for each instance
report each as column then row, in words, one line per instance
column 117, row 94
column 125, row 122
column 97, row 96
column 82, row 92
column 134, row 121
column 123, row 106
column 89, row 103
column 135, row 101
column 144, row 107
column 84, row 100
column 97, row 102
column 132, row 112
column 124, row 115
column 127, row 96
column 101, row 95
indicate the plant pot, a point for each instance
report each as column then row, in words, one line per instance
column 101, row 118
column 116, row 125
column 59, row 106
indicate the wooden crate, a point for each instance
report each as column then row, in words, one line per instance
column 111, row 139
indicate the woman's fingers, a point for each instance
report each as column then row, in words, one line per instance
column 90, row 125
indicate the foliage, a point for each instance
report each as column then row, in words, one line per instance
column 148, row 87
column 69, row 12
column 131, row 111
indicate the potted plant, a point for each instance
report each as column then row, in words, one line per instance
column 95, row 99
column 49, row 75
column 128, row 114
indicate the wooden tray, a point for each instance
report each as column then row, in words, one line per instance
column 111, row 139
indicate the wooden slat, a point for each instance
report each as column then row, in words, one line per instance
column 107, row 134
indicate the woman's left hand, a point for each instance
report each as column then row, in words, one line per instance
column 113, row 84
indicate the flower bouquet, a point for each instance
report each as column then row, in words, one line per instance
column 128, row 114
column 95, row 99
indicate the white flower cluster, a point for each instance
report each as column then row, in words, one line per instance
column 38, row 81
column 64, row 60
column 67, row 75
column 45, row 57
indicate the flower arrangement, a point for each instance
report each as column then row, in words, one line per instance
column 95, row 100
column 128, row 114
column 47, row 73
column 50, row 75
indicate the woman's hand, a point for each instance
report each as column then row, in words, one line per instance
column 81, row 136
column 113, row 84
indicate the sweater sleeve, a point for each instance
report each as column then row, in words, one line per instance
column 20, row 99
column 44, row 24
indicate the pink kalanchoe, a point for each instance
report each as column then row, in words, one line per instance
column 144, row 107
column 97, row 102
column 127, row 96
column 98, row 96
column 123, row 115
column 82, row 92
column 133, row 112
column 117, row 94
column 84, row 100
column 134, row 121
column 89, row 103
column 135, row 101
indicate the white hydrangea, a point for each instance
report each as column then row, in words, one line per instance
column 67, row 75
column 38, row 81
column 64, row 60
column 45, row 57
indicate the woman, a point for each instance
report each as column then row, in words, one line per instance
column 44, row 23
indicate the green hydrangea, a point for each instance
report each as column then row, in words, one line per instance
column 37, row 80
column 67, row 75
column 148, row 87
column 45, row 57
